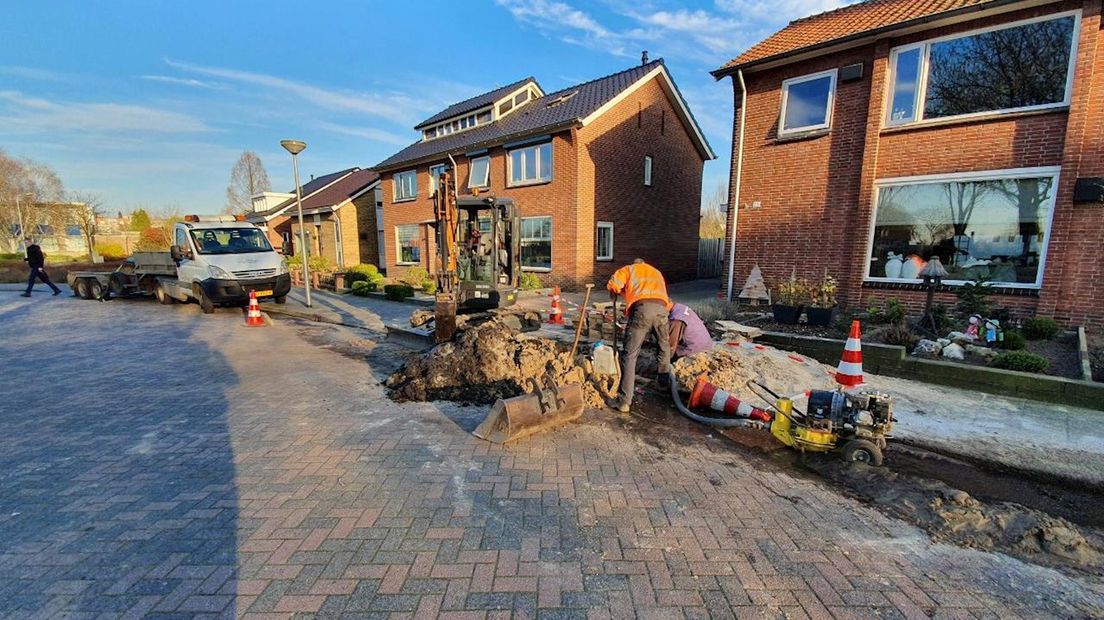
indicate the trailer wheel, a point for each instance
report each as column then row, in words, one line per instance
column 96, row 290
column 84, row 291
column 281, row 299
column 205, row 303
column 115, row 285
column 862, row 451
column 162, row 296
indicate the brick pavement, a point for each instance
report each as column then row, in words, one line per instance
column 168, row 464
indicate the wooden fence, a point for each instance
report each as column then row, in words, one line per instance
column 710, row 258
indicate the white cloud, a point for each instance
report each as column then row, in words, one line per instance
column 30, row 114
column 573, row 25
column 33, row 73
column 370, row 133
column 779, row 11
column 391, row 106
column 168, row 79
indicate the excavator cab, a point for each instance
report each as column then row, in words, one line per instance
column 488, row 253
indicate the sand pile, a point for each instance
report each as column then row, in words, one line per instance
column 730, row 367
column 482, row 364
column 951, row 515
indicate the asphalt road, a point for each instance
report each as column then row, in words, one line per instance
column 156, row 461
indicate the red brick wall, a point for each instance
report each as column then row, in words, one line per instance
column 657, row 223
column 817, row 193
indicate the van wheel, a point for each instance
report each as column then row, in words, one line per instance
column 205, row 303
column 83, row 290
column 281, row 299
column 163, row 297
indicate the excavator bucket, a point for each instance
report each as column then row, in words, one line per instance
column 513, row 418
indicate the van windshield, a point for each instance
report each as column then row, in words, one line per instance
column 230, row 240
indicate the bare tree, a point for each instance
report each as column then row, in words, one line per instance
column 30, row 195
column 712, row 217
column 85, row 208
column 247, row 178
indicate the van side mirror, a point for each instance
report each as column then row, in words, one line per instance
column 287, row 249
column 176, row 253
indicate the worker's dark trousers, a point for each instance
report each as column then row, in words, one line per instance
column 41, row 275
column 645, row 318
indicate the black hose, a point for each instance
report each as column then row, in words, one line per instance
column 718, row 422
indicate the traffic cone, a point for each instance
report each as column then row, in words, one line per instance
column 849, row 373
column 705, row 394
column 253, row 317
column 555, row 316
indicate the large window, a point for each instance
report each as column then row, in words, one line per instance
column 408, row 242
column 807, row 103
column 536, row 243
column 406, row 185
column 1018, row 67
column 978, row 224
column 604, row 249
column 434, row 175
column 480, row 172
column 530, row 164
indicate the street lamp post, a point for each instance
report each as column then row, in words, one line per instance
column 295, row 147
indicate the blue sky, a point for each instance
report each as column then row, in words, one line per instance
column 149, row 103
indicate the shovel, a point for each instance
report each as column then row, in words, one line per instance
column 513, row 418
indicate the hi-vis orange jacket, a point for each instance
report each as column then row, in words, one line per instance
column 636, row 282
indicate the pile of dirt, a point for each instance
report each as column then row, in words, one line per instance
column 951, row 515
column 484, row 363
column 731, row 367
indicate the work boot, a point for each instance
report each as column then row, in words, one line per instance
column 618, row 404
column 24, row 294
column 57, row 292
column 663, row 380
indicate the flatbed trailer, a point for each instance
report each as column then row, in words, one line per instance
column 141, row 274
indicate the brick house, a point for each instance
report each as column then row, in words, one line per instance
column 340, row 214
column 870, row 138
column 602, row 172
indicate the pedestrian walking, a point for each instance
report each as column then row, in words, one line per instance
column 36, row 260
column 646, row 304
column 688, row 334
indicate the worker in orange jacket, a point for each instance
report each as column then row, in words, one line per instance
column 646, row 304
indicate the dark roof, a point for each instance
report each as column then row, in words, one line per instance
column 844, row 23
column 340, row 191
column 475, row 103
column 308, row 189
column 533, row 118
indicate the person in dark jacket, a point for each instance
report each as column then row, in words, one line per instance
column 36, row 260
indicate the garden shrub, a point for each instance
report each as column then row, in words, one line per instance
column 1022, row 361
column 1013, row 341
column 973, row 297
column 398, row 292
column 429, row 286
column 361, row 288
column 894, row 312
column 364, row 273
column 1041, row 328
column 11, row 256
column 414, row 276
column 899, row 334
column 528, row 281
column 110, row 251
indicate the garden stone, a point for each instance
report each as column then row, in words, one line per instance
column 943, row 342
column 954, row 351
column 983, row 352
column 927, row 348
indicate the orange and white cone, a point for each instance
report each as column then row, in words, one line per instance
column 705, row 394
column 849, row 373
column 555, row 315
column 253, row 317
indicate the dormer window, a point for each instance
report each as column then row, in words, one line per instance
column 521, row 98
column 462, row 123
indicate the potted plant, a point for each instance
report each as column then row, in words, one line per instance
column 822, row 311
column 789, row 300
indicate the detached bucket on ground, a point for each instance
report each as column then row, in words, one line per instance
column 511, row 419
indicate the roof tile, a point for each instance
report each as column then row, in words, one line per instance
column 475, row 103
column 844, row 22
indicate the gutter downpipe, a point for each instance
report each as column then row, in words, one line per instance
column 735, row 208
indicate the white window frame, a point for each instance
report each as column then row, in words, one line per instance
column 398, row 246
column 536, row 149
column 786, row 84
column 396, row 186
column 434, row 170
column 647, row 170
column 922, row 77
column 597, row 246
column 471, row 171
column 551, row 243
column 987, row 175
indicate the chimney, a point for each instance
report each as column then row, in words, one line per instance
column 644, row 57
column 312, row 177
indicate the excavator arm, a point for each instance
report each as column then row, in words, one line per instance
column 446, row 219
